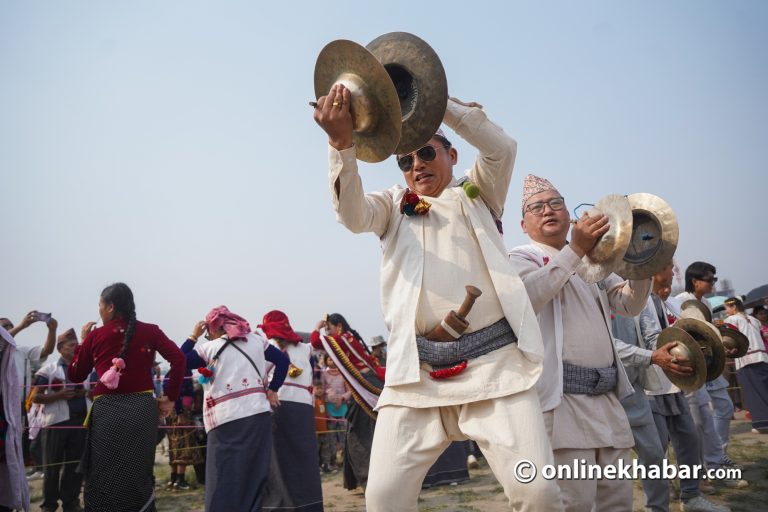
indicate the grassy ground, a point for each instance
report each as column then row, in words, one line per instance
column 484, row 494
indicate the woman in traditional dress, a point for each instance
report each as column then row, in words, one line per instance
column 122, row 425
column 752, row 368
column 183, row 449
column 294, row 481
column 232, row 363
column 360, row 424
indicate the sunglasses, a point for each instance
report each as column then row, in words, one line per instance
column 711, row 280
column 425, row 154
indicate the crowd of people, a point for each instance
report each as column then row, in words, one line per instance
column 276, row 408
column 541, row 365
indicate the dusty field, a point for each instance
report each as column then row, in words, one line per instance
column 484, row 494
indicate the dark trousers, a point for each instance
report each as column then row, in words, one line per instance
column 684, row 435
column 36, row 452
column 62, row 481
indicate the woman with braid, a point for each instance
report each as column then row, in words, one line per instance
column 122, row 424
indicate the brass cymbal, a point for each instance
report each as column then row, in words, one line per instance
column 654, row 237
column 601, row 261
column 420, row 82
column 375, row 107
column 710, row 341
column 734, row 338
column 693, row 308
column 688, row 348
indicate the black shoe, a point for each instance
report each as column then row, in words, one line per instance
column 181, row 485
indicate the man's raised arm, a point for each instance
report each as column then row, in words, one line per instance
column 492, row 170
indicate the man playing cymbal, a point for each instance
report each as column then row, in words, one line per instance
column 586, row 379
column 437, row 238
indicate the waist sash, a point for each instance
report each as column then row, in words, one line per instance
column 444, row 354
column 579, row 380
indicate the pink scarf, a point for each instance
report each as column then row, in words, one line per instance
column 222, row 318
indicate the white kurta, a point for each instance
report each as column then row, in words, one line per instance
column 575, row 324
column 651, row 328
column 429, row 259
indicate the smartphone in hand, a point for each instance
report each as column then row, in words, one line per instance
column 42, row 317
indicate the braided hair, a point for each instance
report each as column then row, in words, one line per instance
column 121, row 297
column 337, row 319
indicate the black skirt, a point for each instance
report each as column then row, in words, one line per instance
column 237, row 464
column 120, row 454
column 294, row 476
column 450, row 467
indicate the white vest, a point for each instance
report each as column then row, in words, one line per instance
column 296, row 389
column 236, row 391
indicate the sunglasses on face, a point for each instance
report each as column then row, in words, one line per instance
column 710, row 280
column 425, row 154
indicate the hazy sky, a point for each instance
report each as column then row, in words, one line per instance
column 169, row 144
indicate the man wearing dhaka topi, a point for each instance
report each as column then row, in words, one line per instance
column 437, row 238
column 586, row 378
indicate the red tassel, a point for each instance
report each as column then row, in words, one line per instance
column 447, row 373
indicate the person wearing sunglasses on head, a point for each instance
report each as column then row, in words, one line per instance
column 437, row 238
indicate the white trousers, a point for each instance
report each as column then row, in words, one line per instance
column 407, row 441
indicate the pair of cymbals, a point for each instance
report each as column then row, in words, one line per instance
column 733, row 338
column 605, row 256
column 640, row 242
column 701, row 344
column 398, row 88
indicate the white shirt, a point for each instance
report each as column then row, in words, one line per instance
column 749, row 327
column 685, row 296
column 58, row 411
column 237, row 390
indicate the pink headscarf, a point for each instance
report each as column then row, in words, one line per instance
column 532, row 185
column 222, row 318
